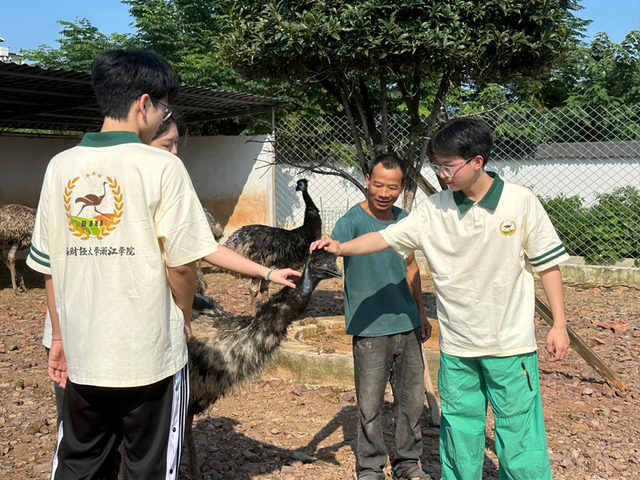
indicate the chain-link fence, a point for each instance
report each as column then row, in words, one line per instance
column 582, row 163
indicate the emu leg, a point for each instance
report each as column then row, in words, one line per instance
column 194, row 468
column 12, row 267
column 264, row 290
column 4, row 259
column 254, row 289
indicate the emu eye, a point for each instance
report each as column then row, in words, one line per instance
column 318, row 263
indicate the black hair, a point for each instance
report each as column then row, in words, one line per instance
column 175, row 118
column 389, row 162
column 463, row 137
column 120, row 77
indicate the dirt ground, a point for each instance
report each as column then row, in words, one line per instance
column 260, row 432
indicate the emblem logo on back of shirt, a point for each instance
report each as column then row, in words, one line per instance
column 508, row 228
column 93, row 205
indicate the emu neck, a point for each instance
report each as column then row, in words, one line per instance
column 307, row 285
column 312, row 226
column 307, row 200
column 287, row 304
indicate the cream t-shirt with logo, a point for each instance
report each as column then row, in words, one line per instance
column 482, row 256
column 113, row 215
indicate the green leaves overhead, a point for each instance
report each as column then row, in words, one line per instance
column 484, row 41
column 376, row 57
column 81, row 42
column 607, row 72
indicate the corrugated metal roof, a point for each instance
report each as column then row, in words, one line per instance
column 56, row 99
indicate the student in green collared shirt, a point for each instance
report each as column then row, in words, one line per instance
column 483, row 239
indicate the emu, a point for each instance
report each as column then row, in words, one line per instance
column 16, row 227
column 278, row 247
column 228, row 349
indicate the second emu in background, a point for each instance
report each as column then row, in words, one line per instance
column 278, row 247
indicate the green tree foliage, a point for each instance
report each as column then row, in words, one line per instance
column 79, row 44
column 188, row 33
column 184, row 32
column 600, row 73
column 592, row 95
column 613, row 222
column 368, row 59
column 606, row 73
column 360, row 51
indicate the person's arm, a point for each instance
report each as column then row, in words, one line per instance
column 182, row 281
column 415, row 284
column 57, row 364
column 230, row 260
column 558, row 339
column 364, row 245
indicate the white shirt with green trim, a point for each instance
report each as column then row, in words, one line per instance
column 113, row 215
column 482, row 256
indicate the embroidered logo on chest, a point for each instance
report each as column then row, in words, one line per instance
column 95, row 209
column 508, row 228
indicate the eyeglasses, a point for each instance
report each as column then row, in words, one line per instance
column 167, row 111
column 448, row 169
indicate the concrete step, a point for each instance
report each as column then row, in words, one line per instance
column 300, row 360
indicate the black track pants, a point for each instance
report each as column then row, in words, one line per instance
column 149, row 419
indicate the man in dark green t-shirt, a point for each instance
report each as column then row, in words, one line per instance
column 385, row 314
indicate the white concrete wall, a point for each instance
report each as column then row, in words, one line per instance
column 227, row 172
column 23, row 162
column 231, row 177
column 583, row 177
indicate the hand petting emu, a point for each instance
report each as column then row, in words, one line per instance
column 228, row 349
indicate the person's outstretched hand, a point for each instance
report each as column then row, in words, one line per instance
column 329, row 244
column 283, row 275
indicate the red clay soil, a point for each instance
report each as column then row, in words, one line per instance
column 593, row 430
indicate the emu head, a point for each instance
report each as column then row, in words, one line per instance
column 301, row 185
column 322, row 264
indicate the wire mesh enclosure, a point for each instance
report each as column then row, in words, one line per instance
column 582, row 163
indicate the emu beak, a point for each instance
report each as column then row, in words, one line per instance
column 332, row 271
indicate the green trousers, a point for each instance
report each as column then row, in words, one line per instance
column 511, row 386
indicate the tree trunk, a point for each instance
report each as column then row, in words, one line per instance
column 354, row 131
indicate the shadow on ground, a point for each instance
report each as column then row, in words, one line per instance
column 218, row 440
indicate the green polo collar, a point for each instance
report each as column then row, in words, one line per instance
column 108, row 139
column 490, row 199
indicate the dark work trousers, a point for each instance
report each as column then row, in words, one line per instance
column 398, row 360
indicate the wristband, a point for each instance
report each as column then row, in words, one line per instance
column 271, row 269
